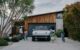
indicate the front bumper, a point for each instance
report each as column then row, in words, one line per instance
column 41, row 36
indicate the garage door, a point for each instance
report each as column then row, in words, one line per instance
column 40, row 26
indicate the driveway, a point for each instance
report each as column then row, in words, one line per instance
column 44, row 45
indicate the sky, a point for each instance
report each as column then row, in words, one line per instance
column 46, row 6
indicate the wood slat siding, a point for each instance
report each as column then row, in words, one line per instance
column 47, row 18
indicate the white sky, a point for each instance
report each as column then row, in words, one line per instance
column 46, row 6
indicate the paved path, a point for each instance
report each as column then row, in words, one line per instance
column 56, row 45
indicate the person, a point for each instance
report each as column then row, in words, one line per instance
column 62, row 36
column 21, row 32
column 25, row 34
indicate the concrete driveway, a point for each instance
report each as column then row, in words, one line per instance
column 44, row 45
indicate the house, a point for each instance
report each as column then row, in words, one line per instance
column 52, row 20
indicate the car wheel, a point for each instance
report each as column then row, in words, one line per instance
column 49, row 38
column 33, row 38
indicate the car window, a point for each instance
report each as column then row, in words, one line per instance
column 41, row 28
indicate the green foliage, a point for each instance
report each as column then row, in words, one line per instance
column 24, row 17
column 6, row 38
column 72, row 20
column 16, row 38
column 0, row 1
column 3, row 42
column 19, row 23
column 58, row 33
column 22, row 5
column 17, row 8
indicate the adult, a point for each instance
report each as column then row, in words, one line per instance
column 21, row 31
column 25, row 34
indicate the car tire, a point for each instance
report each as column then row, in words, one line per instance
column 49, row 38
column 33, row 38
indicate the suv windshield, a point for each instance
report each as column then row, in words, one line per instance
column 41, row 28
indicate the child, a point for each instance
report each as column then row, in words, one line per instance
column 62, row 36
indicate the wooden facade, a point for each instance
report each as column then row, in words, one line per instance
column 43, row 18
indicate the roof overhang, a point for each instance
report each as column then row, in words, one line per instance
column 46, row 13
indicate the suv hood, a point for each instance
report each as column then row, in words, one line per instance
column 41, row 32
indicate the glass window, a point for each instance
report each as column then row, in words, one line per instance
column 59, row 16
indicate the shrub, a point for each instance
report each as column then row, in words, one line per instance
column 72, row 20
column 58, row 33
column 16, row 38
column 19, row 36
column 7, row 39
column 3, row 42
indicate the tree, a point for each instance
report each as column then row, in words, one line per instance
column 72, row 20
column 10, row 9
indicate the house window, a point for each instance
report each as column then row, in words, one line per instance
column 59, row 16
